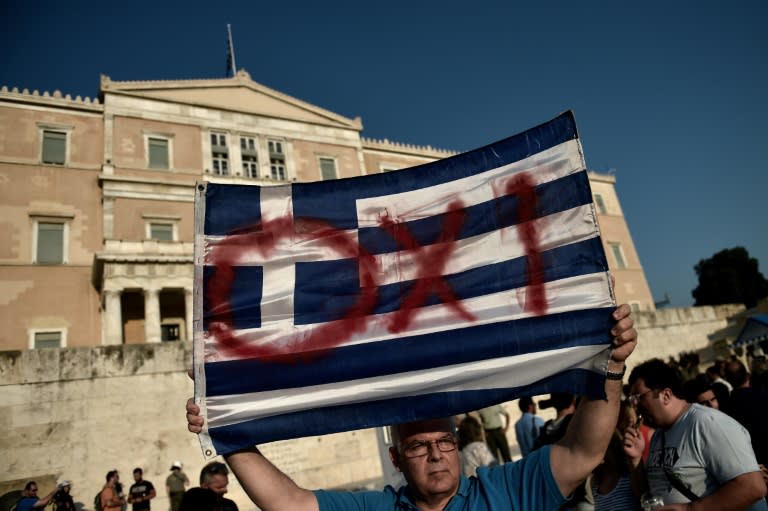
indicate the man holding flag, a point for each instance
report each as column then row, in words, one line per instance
column 425, row 452
column 393, row 298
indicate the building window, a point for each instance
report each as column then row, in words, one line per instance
column 327, row 168
column 250, row 167
column 161, row 231
column 250, row 157
column 158, row 153
column 46, row 339
column 248, row 145
column 170, row 332
column 275, row 148
column 54, row 147
column 618, row 255
column 161, row 227
column 277, row 169
column 219, row 154
column 50, row 242
column 276, row 160
column 600, row 204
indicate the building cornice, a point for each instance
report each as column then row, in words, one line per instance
column 141, row 188
column 56, row 99
column 389, row 146
column 145, row 252
column 601, row 178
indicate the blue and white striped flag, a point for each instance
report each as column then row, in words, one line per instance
column 430, row 291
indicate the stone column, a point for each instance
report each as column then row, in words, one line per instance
column 152, row 315
column 188, row 312
column 113, row 317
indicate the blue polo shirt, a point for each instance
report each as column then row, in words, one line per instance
column 526, row 485
column 26, row 504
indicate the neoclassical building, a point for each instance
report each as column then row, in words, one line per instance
column 97, row 198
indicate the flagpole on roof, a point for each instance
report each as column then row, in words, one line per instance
column 231, row 66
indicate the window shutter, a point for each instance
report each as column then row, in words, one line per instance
column 161, row 232
column 327, row 168
column 54, row 147
column 50, row 243
column 158, row 153
column 47, row 340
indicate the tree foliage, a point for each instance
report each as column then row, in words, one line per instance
column 730, row 276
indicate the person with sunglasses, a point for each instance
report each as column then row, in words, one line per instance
column 29, row 499
column 426, row 453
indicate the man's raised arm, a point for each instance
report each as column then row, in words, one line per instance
column 268, row 487
column 582, row 449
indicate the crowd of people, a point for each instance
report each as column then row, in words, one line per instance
column 682, row 435
column 209, row 496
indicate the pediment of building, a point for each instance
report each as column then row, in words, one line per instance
column 238, row 94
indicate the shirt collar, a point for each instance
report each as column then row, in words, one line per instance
column 404, row 496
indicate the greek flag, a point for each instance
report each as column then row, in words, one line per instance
column 435, row 290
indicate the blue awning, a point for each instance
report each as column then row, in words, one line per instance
column 755, row 331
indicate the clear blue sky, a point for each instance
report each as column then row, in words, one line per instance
column 669, row 96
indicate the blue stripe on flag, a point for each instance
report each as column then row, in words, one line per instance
column 229, row 208
column 244, row 298
column 327, row 290
column 495, row 340
column 317, row 421
column 560, row 195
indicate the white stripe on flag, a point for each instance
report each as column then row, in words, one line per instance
column 508, row 372
column 556, row 230
column 564, row 295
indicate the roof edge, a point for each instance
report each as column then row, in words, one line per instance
column 241, row 79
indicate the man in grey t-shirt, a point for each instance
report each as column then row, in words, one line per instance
column 697, row 453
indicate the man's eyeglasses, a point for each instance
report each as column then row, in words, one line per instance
column 635, row 398
column 422, row 447
column 32, row 490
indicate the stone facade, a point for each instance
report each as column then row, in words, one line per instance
column 667, row 332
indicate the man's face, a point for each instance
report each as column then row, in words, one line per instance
column 646, row 402
column 435, row 472
column 709, row 399
column 32, row 491
column 137, row 476
column 217, row 484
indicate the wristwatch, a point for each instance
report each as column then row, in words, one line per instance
column 610, row 375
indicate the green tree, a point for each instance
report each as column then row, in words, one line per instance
column 730, row 276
